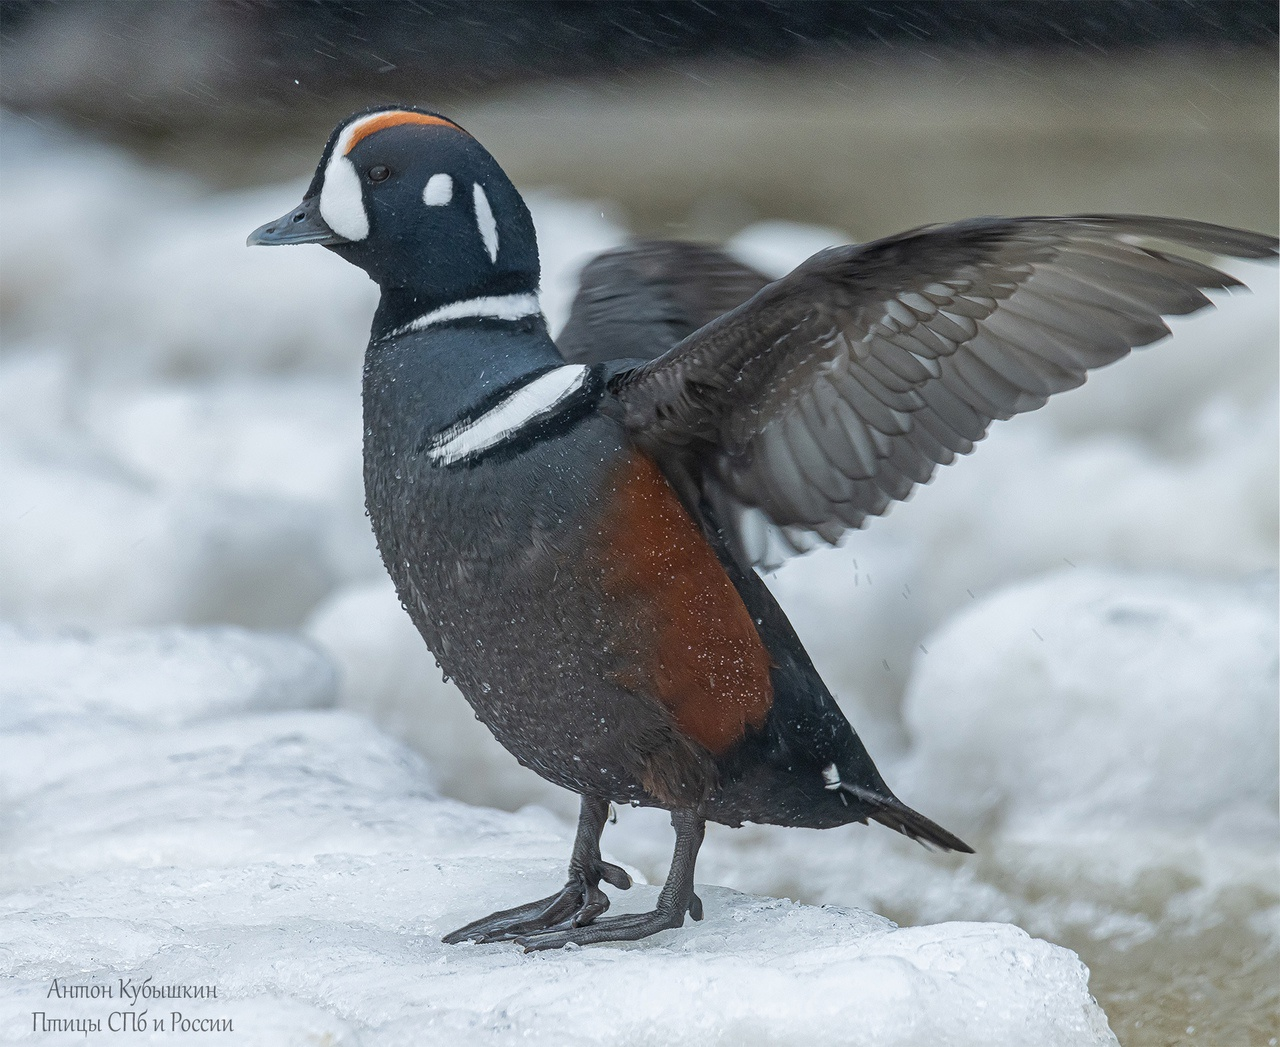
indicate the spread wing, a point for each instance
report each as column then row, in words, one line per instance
column 636, row 302
column 834, row 391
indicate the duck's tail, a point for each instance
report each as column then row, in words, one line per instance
column 890, row 811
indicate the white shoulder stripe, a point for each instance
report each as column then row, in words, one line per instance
column 530, row 403
column 490, row 307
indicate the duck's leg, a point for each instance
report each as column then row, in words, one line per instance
column 578, row 903
column 676, row 899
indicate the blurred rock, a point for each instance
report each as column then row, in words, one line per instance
column 1086, row 701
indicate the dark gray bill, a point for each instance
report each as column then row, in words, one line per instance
column 302, row 225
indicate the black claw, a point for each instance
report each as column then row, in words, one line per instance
column 596, row 903
column 587, row 916
column 577, row 904
column 695, row 907
column 483, row 930
column 560, row 913
column 614, row 876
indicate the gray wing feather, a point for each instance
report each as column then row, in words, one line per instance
column 832, row 392
column 637, row 301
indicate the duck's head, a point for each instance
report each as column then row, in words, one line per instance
column 421, row 206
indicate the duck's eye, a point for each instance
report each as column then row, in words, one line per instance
column 379, row 173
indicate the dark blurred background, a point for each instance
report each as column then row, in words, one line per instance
column 157, row 66
column 697, row 117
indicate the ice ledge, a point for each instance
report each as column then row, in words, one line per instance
column 301, row 862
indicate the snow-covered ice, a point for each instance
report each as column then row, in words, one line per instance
column 1064, row 649
column 191, row 820
column 1116, row 703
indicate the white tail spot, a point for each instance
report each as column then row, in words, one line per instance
column 831, row 777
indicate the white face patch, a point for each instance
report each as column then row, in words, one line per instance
column 439, row 190
column 341, row 198
column 484, row 221
column 342, row 201
column 520, row 409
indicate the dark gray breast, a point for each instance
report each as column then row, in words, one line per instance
column 485, row 533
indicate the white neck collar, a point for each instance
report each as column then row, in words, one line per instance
column 490, row 307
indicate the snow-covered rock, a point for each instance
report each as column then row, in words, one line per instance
column 302, row 863
column 1106, row 739
column 85, row 541
column 1093, row 701
column 158, row 677
column 67, row 700
column 775, row 248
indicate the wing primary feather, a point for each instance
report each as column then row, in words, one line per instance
column 1088, row 345
column 958, row 328
column 1219, row 239
column 840, row 432
column 832, row 392
column 973, row 306
column 986, row 405
column 1065, row 281
column 815, row 465
column 1026, row 369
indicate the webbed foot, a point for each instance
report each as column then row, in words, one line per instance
column 615, row 929
column 577, row 904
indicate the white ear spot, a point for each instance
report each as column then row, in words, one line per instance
column 484, row 221
column 341, row 200
column 439, row 190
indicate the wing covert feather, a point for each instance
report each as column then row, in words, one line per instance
column 637, row 301
column 832, row 392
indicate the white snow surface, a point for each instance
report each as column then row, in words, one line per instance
column 193, row 822
column 1082, row 699
column 1064, row 649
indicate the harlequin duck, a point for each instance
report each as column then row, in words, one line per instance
column 575, row 534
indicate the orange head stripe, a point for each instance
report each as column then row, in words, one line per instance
column 382, row 121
